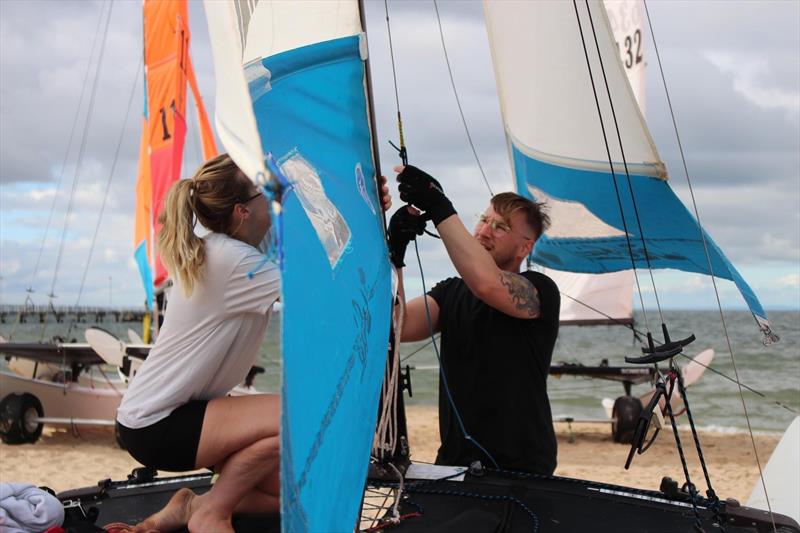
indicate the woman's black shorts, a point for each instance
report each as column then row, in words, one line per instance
column 169, row 444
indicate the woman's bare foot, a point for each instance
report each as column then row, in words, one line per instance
column 174, row 516
column 205, row 519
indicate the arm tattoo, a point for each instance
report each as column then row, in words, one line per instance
column 522, row 293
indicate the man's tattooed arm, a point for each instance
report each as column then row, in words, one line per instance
column 522, row 293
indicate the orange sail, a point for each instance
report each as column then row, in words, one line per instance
column 168, row 68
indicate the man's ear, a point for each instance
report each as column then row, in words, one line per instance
column 527, row 247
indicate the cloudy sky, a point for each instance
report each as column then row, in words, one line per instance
column 732, row 68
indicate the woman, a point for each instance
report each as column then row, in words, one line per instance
column 176, row 414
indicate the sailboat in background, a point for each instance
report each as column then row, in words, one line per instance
column 168, row 69
column 49, row 383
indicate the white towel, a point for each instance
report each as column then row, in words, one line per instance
column 25, row 508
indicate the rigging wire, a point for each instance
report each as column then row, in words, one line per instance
column 450, row 399
column 708, row 259
column 29, row 304
column 402, row 149
column 81, row 152
column 108, row 188
column 66, row 153
column 692, row 491
column 639, row 332
column 458, row 100
column 403, row 155
column 624, row 162
column 611, row 165
column 474, row 151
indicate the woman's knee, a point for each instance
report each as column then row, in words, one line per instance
column 269, row 447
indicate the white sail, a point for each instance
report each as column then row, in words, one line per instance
column 606, row 298
column 565, row 131
column 242, row 33
column 603, row 298
column 233, row 116
column 627, row 21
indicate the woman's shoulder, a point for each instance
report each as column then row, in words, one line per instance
column 219, row 241
column 226, row 253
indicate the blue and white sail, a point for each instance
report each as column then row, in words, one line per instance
column 559, row 155
column 291, row 98
column 607, row 298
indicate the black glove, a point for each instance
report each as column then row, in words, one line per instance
column 418, row 188
column 403, row 228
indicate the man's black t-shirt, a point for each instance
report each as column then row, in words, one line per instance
column 496, row 368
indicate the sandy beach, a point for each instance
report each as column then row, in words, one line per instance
column 63, row 459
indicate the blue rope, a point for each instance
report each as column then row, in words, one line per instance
column 276, row 193
column 467, row 436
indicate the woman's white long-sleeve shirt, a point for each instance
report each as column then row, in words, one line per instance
column 209, row 340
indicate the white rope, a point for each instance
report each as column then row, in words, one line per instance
column 395, row 518
column 385, row 438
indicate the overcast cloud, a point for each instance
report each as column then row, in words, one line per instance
column 732, row 68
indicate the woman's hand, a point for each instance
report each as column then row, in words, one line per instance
column 386, row 197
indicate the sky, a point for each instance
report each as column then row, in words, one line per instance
column 732, row 69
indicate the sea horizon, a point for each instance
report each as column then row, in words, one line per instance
column 772, row 371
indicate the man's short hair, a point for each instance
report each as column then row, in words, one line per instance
column 506, row 204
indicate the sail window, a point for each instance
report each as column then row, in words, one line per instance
column 329, row 224
column 572, row 219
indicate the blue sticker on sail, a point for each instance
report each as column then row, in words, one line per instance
column 595, row 241
column 336, row 287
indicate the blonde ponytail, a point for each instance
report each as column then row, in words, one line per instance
column 181, row 250
column 209, row 198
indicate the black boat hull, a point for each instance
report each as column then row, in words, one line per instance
column 492, row 502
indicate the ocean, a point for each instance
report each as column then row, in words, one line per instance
column 773, row 371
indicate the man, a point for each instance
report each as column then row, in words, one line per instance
column 498, row 327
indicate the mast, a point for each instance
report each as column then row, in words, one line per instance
column 397, row 451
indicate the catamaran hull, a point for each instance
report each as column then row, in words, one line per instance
column 130, row 502
column 489, row 503
column 70, row 400
column 511, row 503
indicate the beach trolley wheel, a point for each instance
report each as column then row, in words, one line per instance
column 17, row 412
column 624, row 417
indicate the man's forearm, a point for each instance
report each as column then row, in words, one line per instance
column 473, row 263
column 508, row 292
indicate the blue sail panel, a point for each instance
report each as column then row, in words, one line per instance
column 336, row 286
column 140, row 256
column 588, row 233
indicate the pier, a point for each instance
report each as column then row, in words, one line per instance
column 45, row 313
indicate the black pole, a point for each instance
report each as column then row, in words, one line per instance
column 399, row 455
